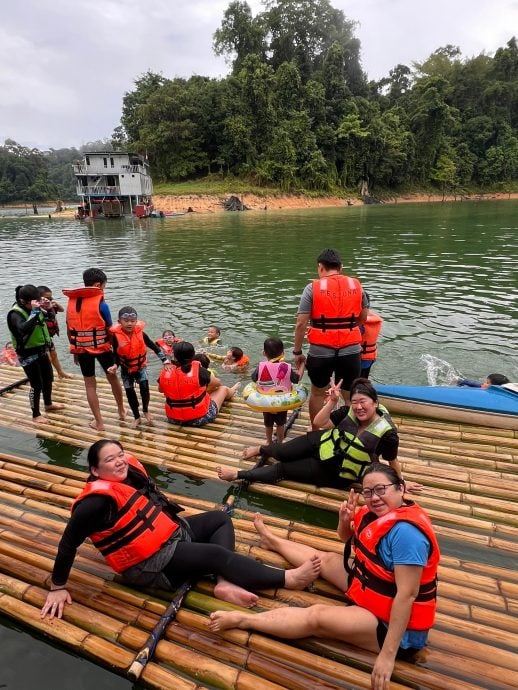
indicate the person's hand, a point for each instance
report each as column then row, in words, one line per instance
column 112, row 369
column 168, row 366
column 413, row 487
column 334, row 391
column 299, row 359
column 348, row 508
column 55, row 603
column 381, row 673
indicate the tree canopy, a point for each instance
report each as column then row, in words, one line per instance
column 298, row 111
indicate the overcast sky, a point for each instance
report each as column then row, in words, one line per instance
column 65, row 64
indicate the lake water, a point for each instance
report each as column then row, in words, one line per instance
column 443, row 276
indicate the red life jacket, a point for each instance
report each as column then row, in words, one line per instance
column 336, row 306
column 131, row 348
column 86, row 328
column 51, row 320
column 185, row 399
column 372, row 586
column 141, row 526
column 166, row 349
column 371, row 331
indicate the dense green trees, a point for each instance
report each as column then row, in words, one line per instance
column 297, row 111
column 30, row 175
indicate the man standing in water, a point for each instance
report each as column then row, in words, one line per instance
column 88, row 323
column 334, row 305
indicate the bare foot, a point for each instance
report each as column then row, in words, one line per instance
column 122, row 414
column 149, row 418
column 251, row 452
column 65, row 375
column 98, row 426
column 227, row 591
column 301, row 577
column 223, row 620
column 226, row 474
column 136, row 423
column 232, row 391
column 40, row 420
column 54, row 407
column 267, row 538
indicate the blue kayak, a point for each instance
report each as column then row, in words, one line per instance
column 493, row 406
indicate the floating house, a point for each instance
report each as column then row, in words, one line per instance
column 112, row 184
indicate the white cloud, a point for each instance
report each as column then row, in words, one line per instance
column 66, row 65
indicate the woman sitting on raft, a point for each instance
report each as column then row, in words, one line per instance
column 337, row 456
column 191, row 397
column 391, row 588
column 141, row 536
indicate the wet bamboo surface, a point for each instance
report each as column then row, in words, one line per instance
column 470, row 479
column 472, row 645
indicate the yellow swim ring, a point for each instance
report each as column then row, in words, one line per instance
column 277, row 402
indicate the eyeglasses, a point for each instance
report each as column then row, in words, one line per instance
column 379, row 490
column 128, row 315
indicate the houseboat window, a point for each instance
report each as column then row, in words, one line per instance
column 88, row 160
column 105, row 162
column 112, row 163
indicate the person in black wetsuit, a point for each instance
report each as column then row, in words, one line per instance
column 32, row 341
column 336, row 456
column 141, row 536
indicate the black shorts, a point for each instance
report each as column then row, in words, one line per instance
column 86, row 361
column 345, row 367
column 271, row 418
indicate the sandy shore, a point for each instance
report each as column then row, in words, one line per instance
column 213, row 203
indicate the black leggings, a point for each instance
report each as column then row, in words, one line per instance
column 298, row 462
column 40, row 377
column 131, row 394
column 212, row 551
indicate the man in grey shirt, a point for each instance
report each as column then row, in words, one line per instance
column 336, row 306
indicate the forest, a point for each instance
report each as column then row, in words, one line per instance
column 298, row 112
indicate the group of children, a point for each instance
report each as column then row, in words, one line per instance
column 193, row 393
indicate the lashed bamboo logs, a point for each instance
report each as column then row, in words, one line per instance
column 483, row 582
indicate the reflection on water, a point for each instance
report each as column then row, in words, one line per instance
column 443, row 276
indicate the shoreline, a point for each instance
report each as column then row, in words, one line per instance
column 213, row 203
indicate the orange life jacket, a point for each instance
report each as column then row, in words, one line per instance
column 336, row 306
column 131, row 348
column 166, row 349
column 371, row 331
column 185, row 399
column 242, row 362
column 86, row 328
column 141, row 526
column 372, row 586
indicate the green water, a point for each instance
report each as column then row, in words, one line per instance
column 444, row 277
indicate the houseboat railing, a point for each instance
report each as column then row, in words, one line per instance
column 98, row 190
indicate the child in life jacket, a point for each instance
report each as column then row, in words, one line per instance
column 9, row 356
column 213, row 336
column 51, row 319
column 166, row 342
column 130, row 344
column 281, row 377
column 235, row 360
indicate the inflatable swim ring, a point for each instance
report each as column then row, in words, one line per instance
column 278, row 402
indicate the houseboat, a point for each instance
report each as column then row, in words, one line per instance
column 112, row 184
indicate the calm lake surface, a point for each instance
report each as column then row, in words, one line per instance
column 443, row 276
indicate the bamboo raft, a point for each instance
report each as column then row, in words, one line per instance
column 470, row 479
